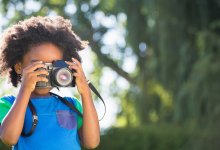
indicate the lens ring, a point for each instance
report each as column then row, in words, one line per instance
column 63, row 77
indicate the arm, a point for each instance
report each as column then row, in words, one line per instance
column 89, row 132
column 13, row 122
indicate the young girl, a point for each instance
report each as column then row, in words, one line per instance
column 26, row 47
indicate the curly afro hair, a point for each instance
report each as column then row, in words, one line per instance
column 19, row 38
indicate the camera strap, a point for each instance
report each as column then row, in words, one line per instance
column 63, row 100
column 34, row 120
column 92, row 87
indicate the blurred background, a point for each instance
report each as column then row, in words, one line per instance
column 155, row 62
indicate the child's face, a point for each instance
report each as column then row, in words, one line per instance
column 46, row 52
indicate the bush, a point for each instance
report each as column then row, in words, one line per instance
column 162, row 137
column 158, row 137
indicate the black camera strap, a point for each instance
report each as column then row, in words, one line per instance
column 34, row 120
column 92, row 87
column 63, row 100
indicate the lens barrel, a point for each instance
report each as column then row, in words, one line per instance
column 63, row 77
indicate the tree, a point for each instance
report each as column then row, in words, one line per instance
column 174, row 47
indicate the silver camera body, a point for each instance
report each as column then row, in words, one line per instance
column 59, row 75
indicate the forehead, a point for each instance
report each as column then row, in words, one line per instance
column 46, row 52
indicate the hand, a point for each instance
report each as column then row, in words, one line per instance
column 30, row 75
column 81, row 81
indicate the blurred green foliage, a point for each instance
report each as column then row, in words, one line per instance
column 175, row 47
column 160, row 137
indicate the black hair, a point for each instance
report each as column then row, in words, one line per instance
column 19, row 38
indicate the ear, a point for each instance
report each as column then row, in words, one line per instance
column 18, row 68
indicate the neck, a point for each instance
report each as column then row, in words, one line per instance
column 33, row 95
column 40, row 92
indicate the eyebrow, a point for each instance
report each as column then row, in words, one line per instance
column 34, row 60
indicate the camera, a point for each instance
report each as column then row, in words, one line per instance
column 59, row 75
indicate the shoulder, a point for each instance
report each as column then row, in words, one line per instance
column 5, row 105
column 78, row 106
column 75, row 102
column 8, row 99
column 71, row 99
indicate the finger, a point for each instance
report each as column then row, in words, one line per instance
column 37, row 66
column 75, row 74
column 75, row 61
column 38, row 76
column 41, row 78
column 74, row 67
column 34, row 66
column 70, row 63
column 41, row 72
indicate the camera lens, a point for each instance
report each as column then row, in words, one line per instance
column 63, row 77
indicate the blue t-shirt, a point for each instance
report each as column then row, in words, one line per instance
column 57, row 124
